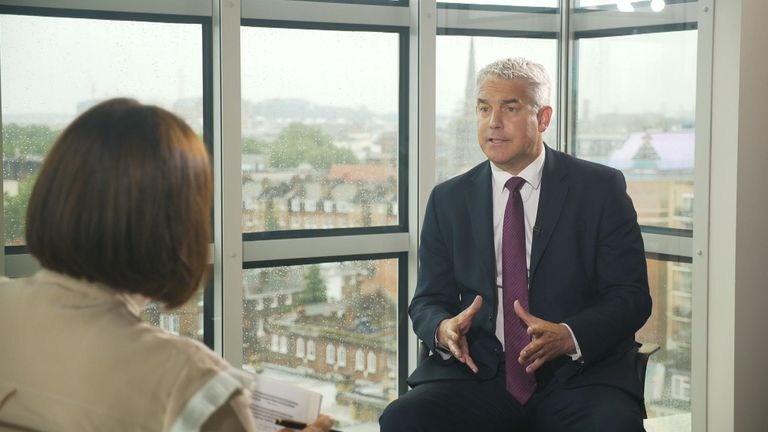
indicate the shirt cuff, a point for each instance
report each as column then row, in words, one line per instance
column 577, row 356
column 442, row 351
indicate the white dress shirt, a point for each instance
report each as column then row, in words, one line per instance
column 529, row 192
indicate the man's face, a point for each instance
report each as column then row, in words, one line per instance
column 508, row 127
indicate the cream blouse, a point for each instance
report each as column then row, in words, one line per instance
column 76, row 356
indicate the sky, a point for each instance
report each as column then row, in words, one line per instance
column 49, row 65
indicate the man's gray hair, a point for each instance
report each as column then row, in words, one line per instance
column 519, row 68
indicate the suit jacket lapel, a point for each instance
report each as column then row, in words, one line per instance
column 554, row 188
column 480, row 209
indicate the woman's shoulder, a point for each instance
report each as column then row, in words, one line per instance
column 188, row 351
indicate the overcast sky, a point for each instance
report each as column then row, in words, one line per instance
column 48, row 65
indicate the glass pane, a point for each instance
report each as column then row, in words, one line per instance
column 328, row 327
column 635, row 103
column 668, row 378
column 320, row 129
column 55, row 68
column 184, row 321
column 458, row 60
column 517, row 3
column 629, row 5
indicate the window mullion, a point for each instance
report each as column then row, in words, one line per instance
column 227, row 184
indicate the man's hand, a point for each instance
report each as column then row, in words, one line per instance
column 451, row 333
column 550, row 340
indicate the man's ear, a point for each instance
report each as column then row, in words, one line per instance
column 544, row 117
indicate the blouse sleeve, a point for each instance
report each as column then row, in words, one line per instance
column 233, row 416
column 212, row 396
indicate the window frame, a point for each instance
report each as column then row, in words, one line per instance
column 206, row 30
column 401, row 318
column 402, row 132
column 419, row 23
column 17, row 261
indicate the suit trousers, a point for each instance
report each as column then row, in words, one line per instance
column 471, row 405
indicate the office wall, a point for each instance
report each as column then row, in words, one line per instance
column 738, row 298
column 751, row 233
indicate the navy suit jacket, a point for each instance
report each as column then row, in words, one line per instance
column 587, row 269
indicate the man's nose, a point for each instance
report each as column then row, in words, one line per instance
column 495, row 120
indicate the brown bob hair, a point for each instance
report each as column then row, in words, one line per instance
column 124, row 199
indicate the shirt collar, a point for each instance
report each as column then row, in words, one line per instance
column 532, row 173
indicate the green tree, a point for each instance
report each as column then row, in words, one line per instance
column 21, row 140
column 315, row 291
column 271, row 222
column 15, row 211
column 253, row 145
column 299, row 143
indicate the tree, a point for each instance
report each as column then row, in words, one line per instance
column 315, row 291
column 253, row 145
column 15, row 211
column 33, row 139
column 299, row 143
column 271, row 221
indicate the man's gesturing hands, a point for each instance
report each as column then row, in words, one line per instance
column 549, row 340
column 452, row 333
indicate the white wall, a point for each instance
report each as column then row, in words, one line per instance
column 738, row 270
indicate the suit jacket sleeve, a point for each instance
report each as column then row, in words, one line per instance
column 622, row 304
column 436, row 297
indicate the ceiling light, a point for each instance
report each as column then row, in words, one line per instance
column 658, row 5
column 625, row 6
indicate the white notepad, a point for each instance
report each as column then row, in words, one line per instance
column 272, row 399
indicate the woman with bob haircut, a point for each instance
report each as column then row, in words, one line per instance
column 120, row 215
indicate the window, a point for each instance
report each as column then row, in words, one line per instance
column 627, row 5
column 324, row 175
column 681, row 387
column 636, row 113
column 680, row 306
column 337, row 307
column 634, row 94
column 185, row 321
column 514, row 3
column 300, row 347
column 359, row 360
column 260, row 328
column 311, row 350
column 670, row 328
column 283, row 345
column 155, row 62
column 275, row 345
column 170, row 323
column 320, row 127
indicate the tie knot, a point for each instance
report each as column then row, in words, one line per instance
column 514, row 184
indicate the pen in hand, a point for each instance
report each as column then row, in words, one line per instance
column 293, row 424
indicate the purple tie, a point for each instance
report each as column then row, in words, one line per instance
column 514, row 277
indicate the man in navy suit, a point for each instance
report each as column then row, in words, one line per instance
column 587, row 285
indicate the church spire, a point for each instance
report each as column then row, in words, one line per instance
column 469, row 89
